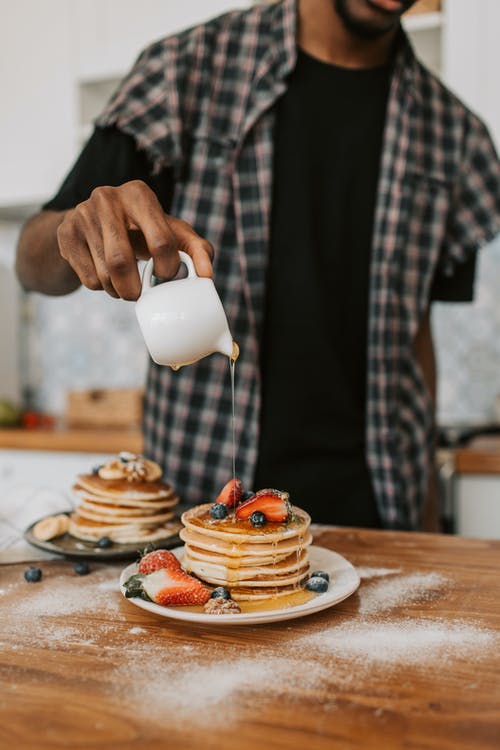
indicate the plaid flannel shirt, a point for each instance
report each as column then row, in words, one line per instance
column 201, row 103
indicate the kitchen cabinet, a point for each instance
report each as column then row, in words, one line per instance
column 38, row 102
column 477, row 505
column 476, row 488
column 110, row 34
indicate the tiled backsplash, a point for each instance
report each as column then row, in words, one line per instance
column 467, row 340
column 84, row 340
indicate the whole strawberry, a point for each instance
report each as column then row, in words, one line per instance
column 157, row 560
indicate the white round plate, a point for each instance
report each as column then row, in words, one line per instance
column 344, row 581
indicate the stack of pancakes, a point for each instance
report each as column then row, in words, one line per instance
column 253, row 563
column 127, row 509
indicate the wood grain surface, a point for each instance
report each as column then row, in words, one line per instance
column 81, row 667
column 83, row 440
column 481, row 456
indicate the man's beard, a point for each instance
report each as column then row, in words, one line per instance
column 367, row 29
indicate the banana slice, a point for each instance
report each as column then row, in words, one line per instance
column 131, row 467
column 153, row 470
column 112, row 470
column 49, row 528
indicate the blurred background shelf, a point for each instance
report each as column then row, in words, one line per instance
column 423, row 21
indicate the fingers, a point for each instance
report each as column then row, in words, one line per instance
column 75, row 251
column 147, row 216
column 95, row 244
column 165, row 236
column 191, row 243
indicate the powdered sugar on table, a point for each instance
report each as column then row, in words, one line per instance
column 193, row 676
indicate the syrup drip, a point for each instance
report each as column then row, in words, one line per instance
column 233, row 427
column 232, row 364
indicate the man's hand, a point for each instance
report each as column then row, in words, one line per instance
column 102, row 238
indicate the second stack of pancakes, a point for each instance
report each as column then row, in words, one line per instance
column 125, row 501
column 253, row 563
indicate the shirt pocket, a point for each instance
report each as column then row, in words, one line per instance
column 201, row 191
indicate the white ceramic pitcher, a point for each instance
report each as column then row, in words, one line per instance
column 182, row 320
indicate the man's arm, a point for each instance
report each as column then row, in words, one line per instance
column 424, row 352
column 39, row 264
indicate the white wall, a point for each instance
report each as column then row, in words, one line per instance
column 36, row 98
column 112, row 32
column 471, row 56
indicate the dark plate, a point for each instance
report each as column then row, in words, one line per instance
column 70, row 547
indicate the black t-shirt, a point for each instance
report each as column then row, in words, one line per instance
column 110, row 157
column 327, row 150
column 313, row 357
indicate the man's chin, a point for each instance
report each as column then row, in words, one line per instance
column 370, row 19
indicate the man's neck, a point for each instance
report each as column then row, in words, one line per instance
column 323, row 34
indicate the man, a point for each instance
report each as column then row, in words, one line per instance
column 342, row 188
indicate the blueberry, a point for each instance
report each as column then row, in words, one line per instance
column 81, row 568
column 220, row 592
column 218, row 511
column 32, row 575
column 247, row 495
column 258, row 518
column 104, row 542
column 317, row 584
column 95, row 470
column 320, row 574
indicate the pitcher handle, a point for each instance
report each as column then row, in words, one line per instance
column 147, row 274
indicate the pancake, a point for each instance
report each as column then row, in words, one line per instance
column 245, row 594
column 160, row 503
column 92, row 531
column 119, row 501
column 257, row 575
column 124, row 489
column 239, row 532
column 252, row 562
column 85, row 510
column 219, row 546
column 115, row 510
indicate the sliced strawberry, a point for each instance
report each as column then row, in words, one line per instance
column 231, row 493
column 159, row 558
column 272, row 503
column 174, row 587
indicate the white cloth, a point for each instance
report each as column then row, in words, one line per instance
column 19, row 508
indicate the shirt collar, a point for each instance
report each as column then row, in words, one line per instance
column 283, row 53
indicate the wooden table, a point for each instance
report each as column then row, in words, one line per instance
column 81, row 667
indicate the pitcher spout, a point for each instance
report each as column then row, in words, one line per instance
column 225, row 344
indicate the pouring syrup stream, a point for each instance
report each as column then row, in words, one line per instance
column 232, row 362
